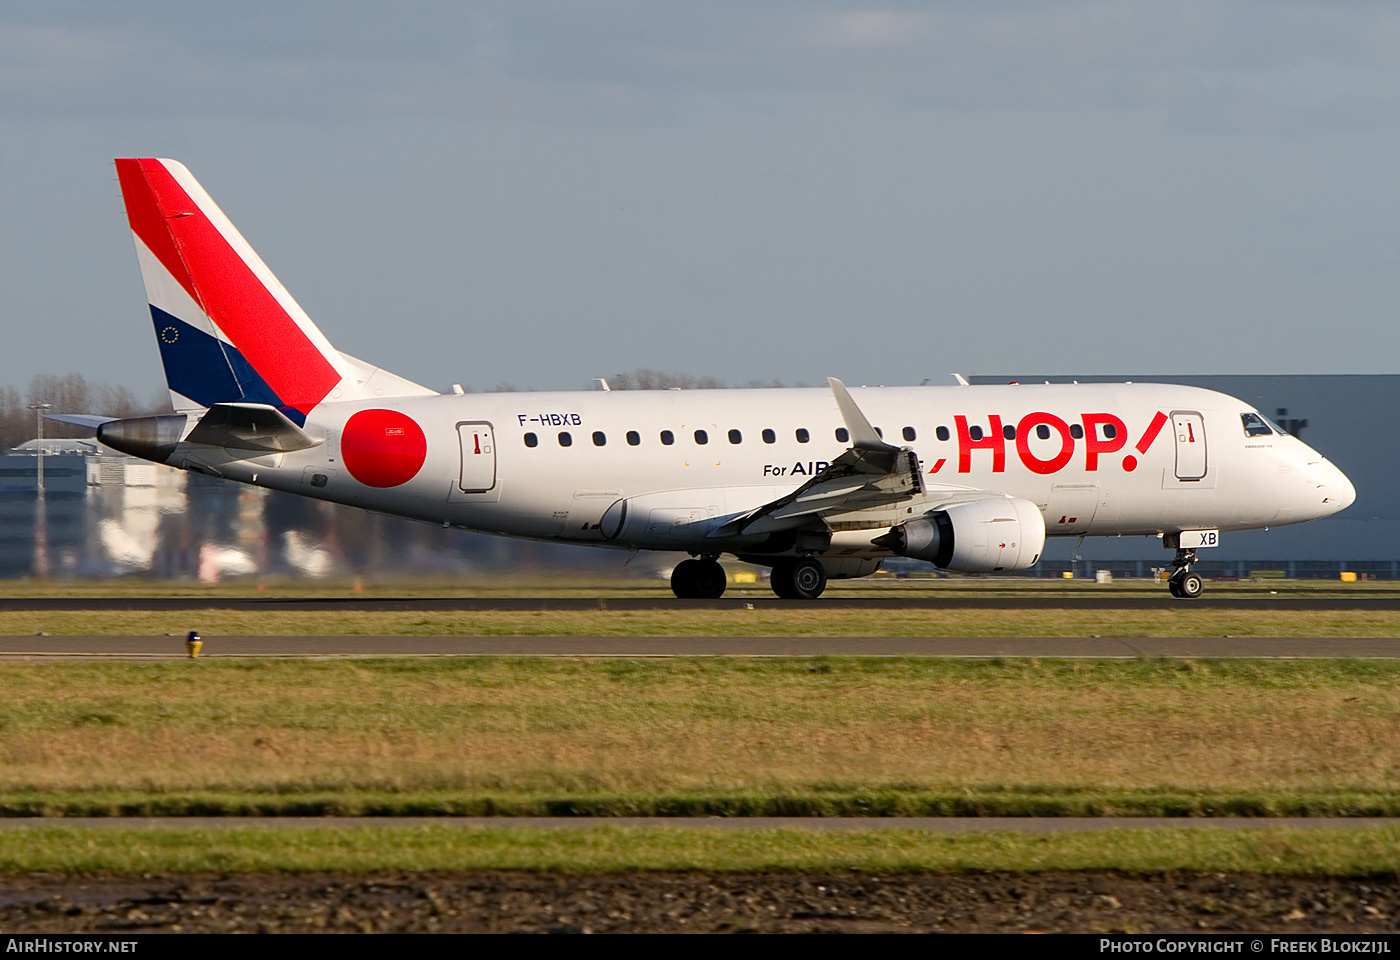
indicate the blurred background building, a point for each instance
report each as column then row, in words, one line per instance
column 105, row 514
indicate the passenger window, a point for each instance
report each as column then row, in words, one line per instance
column 975, row 432
column 1043, row 431
column 735, row 436
column 802, row 435
column 600, row 439
column 1009, row 432
column 633, row 438
column 842, row 434
column 565, row 439
column 941, row 433
column 701, row 437
column 667, row 438
column 909, row 434
column 531, row 440
column 769, row 436
column 1255, row 425
column 1109, row 431
column 1076, row 431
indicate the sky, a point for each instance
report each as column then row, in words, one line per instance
column 540, row 193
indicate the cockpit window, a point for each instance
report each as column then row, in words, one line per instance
column 1255, row 425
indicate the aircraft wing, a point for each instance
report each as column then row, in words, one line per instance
column 256, row 427
column 871, row 473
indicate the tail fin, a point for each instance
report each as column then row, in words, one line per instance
column 228, row 330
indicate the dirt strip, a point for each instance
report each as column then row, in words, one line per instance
column 500, row 902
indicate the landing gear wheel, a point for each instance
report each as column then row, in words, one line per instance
column 1188, row 587
column 698, row 580
column 1184, row 584
column 803, row 579
column 710, row 580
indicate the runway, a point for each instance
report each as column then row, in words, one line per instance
column 969, row 600
column 59, row 649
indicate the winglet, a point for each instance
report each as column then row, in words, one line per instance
column 863, row 435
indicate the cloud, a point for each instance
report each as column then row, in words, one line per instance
column 867, row 28
column 625, row 60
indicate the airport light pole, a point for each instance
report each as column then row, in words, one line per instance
column 39, row 406
column 41, row 519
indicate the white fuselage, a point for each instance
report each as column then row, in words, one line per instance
column 1096, row 459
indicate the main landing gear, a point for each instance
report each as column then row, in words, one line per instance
column 702, row 579
column 803, row 578
column 1184, row 584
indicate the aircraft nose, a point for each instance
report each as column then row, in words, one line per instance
column 1337, row 491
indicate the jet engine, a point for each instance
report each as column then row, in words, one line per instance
column 150, row 438
column 979, row 536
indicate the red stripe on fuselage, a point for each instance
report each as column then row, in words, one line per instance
column 1153, row 428
column 187, row 244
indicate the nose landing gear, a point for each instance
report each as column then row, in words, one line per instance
column 1183, row 584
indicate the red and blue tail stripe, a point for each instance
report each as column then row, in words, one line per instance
column 228, row 330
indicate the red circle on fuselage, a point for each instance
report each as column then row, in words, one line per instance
column 383, row 448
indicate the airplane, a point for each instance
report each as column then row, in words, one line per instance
column 817, row 484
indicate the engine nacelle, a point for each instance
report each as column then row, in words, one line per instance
column 980, row 536
column 150, row 438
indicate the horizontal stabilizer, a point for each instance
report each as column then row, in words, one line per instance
column 88, row 420
column 250, row 426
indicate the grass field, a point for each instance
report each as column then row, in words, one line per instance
column 1066, row 622
column 1361, row 852
column 706, row 736
column 907, row 734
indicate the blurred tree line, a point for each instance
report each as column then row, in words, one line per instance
column 68, row 394
column 647, row 379
column 644, row 379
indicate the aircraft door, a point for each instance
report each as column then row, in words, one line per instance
column 478, row 457
column 1190, row 431
column 1071, row 508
